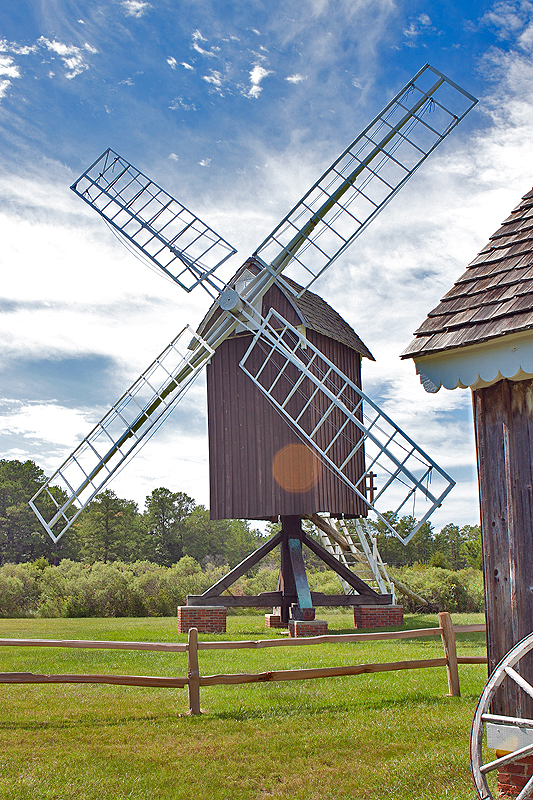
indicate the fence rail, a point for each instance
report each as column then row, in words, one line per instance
column 194, row 681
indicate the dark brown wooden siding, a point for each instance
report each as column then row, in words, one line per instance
column 247, row 435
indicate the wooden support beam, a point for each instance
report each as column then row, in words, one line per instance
column 286, row 580
column 238, row 571
column 267, row 599
column 298, row 570
column 503, row 419
column 333, row 600
column 263, row 600
column 332, row 532
column 334, row 564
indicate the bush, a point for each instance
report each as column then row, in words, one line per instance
column 444, row 589
column 145, row 589
column 19, row 590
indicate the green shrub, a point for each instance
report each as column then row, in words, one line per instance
column 444, row 589
column 146, row 589
column 19, row 590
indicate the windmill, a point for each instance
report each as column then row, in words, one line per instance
column 341, row 432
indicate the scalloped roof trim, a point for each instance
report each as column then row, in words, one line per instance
column 510, row 357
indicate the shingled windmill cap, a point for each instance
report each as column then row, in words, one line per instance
column 482, row 330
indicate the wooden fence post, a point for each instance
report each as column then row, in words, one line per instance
column 450, row 653
column 193, row 673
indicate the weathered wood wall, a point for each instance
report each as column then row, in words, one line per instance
column 503, row 417
column 246, row 434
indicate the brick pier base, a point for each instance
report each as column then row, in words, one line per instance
column 377, row 616
column 513, row 777
column 304, row 627
column 273, row 621
column 208, row 619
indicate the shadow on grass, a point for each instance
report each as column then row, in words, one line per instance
column 93, row 722
column 279, row 713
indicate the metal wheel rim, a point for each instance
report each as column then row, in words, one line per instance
column 481, row 716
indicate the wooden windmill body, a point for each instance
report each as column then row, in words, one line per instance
column 481, row 336
column 261, row 469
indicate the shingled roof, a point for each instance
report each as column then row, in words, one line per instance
column 492, row 298
column 313, row 311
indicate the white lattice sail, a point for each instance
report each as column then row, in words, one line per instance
column 166, row 232
column 111, row 443
column 365, row 177
column 344, row 426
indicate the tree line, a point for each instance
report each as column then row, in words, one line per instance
column 172, row 525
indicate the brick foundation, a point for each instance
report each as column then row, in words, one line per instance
column 302, row 627
column 273, row 621
column 377, row 616
column 208, row 619
column 513, row 777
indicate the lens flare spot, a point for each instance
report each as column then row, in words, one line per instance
column 296, row 468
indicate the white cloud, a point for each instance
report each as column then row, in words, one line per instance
column 8, row 67
column 187, row 66
column 174, row 157
column 178, row 104
column 420, row 25
column 297, row 78
column 72, row 57
column 257, row 74
column 48, row 422
column 171, row 61
column 135, row 8
column 205, row 162
column 215, row 78
column 197, row 37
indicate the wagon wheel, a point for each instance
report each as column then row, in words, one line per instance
column 504, row 671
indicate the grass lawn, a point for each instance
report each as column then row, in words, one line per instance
column 388, row 735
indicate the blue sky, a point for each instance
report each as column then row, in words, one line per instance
column 235, row 109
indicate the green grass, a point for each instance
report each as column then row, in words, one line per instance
column 389, row 735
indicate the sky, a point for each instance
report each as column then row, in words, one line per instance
column 236, row 108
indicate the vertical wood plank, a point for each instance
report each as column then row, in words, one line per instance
column 503, row 416
column 450, row 653
column 193, row 673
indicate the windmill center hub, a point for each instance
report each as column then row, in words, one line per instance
column 230, row 300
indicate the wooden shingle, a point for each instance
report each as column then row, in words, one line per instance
column 313, row 312
column 493, row 297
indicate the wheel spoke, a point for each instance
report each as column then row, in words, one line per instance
column 498, row 718
column 500, row 762
column 513, row 674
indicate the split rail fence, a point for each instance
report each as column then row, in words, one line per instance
column 194, row 681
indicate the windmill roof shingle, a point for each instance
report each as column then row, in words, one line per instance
column 314, row 312
column 492, row 298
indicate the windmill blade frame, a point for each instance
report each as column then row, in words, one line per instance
column 365, row 177
column 111, row 443
column 162, row 228
column 333, row 416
